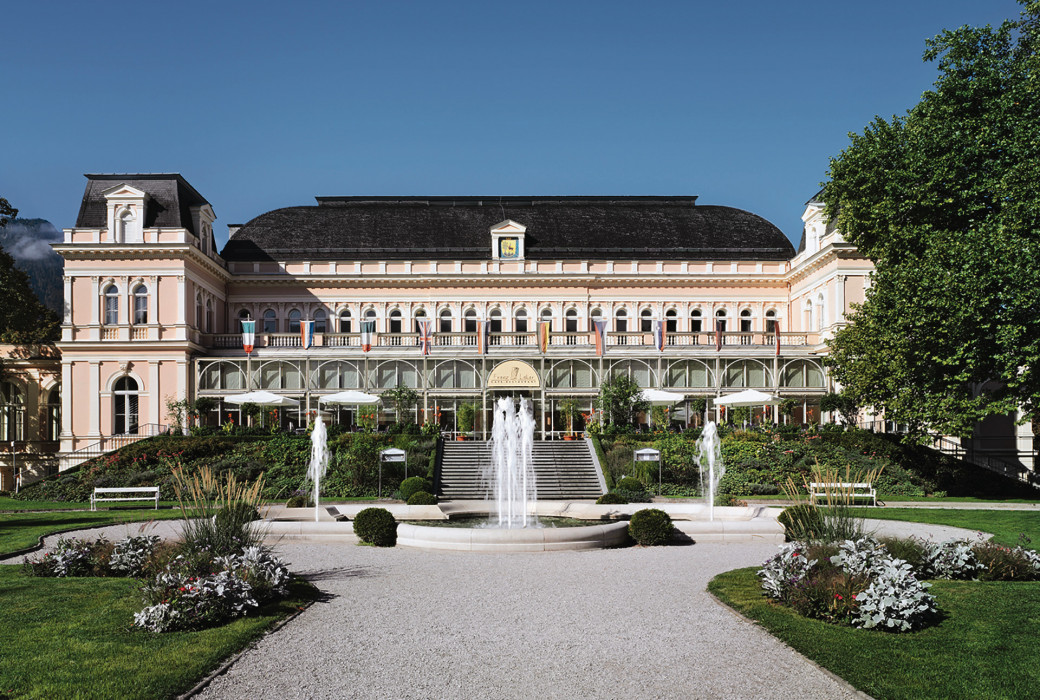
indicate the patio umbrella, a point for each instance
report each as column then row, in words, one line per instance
column 350, row 398
column 262, row 398
column 661, row 398
column 749, row 397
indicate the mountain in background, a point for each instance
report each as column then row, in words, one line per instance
column 28, row 242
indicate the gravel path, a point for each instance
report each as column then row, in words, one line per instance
column 631, row 623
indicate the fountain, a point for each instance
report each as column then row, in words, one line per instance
column 511, row 474
column 708, row 451
column 319, row 460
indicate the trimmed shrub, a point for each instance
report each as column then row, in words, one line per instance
column 629, row 484
column 802, row 522
column 414, row 484
column 612, row 499
column 634, row 496
column 998, row 563
column 376, row 526
column 422, row 498
column 650, row 527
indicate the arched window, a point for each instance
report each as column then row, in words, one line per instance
column 12, row 412
column 445, row 322
column 199, row 318
column 243, row 315
column 745, row 326
column 637, row 370
column 321, row 321
column 140, row 305
column 695, row 321
column 390, row 375
column 419, row 315
column 771, row 321
column 820, row 320
column 454, row 374
column 395, row 321
column 270, row 321
column 280, row 375
column 808, row 315
column 53, row 412
column 621, row 322
column 671, row 321
column 124, row 403
column 495, row 319
column 209, row 316
column 520, row 321
column 747, row 373
column 126, row 218
column 570, row 321
column 690, row 373
column 646, row 321
column 802, row 374
column 470, row 321
column 294, row 321
column 224, row 375
column 337, row 374
column 720, row 320
column 344, row 321
column 111, row 305
column 546, row 314
column 572, row 374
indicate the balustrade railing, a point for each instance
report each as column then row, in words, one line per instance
column 557, row 339
column 110, row 443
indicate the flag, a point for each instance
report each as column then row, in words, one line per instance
column 659, row 335
column 425, row 339
column 306, row 334
column 544, row 328
column 600, row 333
column 776, row 332
column 248, row 334
column 718, row 334
column 483, row 333
column 368, row 328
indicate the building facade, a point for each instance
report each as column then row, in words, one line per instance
column 512, row 289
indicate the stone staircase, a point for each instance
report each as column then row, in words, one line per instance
column 564, row 470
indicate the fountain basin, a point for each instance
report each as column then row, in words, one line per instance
column 526, row 539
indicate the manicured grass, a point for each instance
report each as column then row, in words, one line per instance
column 21, row 530
column 72, row 637
column 1005, row 525
column 984, row 647
column 8, row 504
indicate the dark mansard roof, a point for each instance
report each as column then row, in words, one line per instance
column 169, row 205
column 389, row 228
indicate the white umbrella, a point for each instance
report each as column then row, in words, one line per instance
column 749, row 397
column 350, row 398
column 262, row 398
column 661, row 398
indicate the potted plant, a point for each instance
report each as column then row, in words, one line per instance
column 569, row 409
column 467, row 412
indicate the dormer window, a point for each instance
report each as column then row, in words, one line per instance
column 507, row 240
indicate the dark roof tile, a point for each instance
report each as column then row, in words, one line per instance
column 172, row 199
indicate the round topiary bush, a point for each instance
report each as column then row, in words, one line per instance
column 801, row 522
column 612, row 499
column 422, row 498
column 376, row 526
column 629, row 483
column 650, row 527
column 413, row 484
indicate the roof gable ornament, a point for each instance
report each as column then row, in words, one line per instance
column 126, row 212
column 507, row 240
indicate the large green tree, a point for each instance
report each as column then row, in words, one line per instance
column 946, row 201
column 23, row 319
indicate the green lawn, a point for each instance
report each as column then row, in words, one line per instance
column 1005, row 525
column 63, row 638
column 21, row 530
column 8, row 504
column 984, row 647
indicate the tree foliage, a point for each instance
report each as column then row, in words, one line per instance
column 23, row 319
column 946, row 201
column 620, row 399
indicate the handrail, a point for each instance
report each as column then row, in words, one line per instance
column 111, row 442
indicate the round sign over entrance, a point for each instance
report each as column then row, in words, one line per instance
column 513, row 374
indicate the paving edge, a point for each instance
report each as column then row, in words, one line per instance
column 224, row 666
column 856, row 692
column 39, row 545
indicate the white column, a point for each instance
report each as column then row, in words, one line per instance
column 95, row 306
column 94, row 397
column 839, row 300
column 182, row 319
column 153, row 392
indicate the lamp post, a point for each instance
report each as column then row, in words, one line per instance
column 391, row 455
column 649, row 454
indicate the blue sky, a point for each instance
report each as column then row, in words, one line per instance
column 262, row 105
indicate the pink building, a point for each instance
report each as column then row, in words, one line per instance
column 153, row 309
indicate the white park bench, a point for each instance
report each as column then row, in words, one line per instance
column 837, row 491
column 124, row 493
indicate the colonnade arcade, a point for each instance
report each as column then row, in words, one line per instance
column 443, row 384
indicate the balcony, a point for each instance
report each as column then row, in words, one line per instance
column 561, row 343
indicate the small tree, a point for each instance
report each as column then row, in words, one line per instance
column 620, row 399
column 788, row 406
column 467, row 412
column 841, row 403
column 401, row 399
column 569, row 408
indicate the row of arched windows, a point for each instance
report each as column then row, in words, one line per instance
column 12, row 413
column 345, row 322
